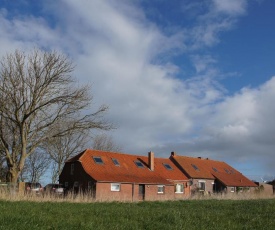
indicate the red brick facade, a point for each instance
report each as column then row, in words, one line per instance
column 108, row 176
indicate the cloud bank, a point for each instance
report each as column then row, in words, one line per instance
column 155, row 104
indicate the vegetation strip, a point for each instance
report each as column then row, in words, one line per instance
column 185, row 214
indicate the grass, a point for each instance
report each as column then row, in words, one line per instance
column 185, row 214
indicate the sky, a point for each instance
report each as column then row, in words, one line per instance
column 194, row 77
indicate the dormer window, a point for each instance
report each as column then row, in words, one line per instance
column 167, row 166
column 98, row 160
column 195, row 167
column 139, row 164
column 115, row 161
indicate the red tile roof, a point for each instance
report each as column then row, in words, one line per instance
column 211, row 169
column 127, row 171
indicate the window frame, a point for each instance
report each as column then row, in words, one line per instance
column 167, row 166
column 139, row 162
column 181, row 188
column 97, row 162
column 113, row 187
column 116, row 162
column 215, row 169
column 195, row 167
column 162, row 190
column 204, row 185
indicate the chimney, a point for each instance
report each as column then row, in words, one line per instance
column 173, row 153
column 151, row 160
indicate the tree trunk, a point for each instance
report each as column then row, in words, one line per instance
column 12, row 175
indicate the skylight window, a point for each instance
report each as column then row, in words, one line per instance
column 115, row 162
column 98, row 160
column 195, row 167
column 216, row 170
column 226, row 171
column 139, row 164
column 167, row 166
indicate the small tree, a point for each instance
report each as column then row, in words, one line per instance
column 61, row 148
column 36, row 93
column 35, row 166
column 105, row 143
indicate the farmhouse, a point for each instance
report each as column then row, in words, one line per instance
column 208, row 176
column 125, row 177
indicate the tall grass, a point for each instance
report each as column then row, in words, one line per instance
column 185, row 214
column 11, row 195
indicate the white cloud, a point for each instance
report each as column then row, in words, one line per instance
column 231, row 7
column 118, row 50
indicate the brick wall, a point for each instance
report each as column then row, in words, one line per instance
column 208, row 185
column 130, row 192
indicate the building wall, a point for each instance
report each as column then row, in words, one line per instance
column 79, row 180
column 264, row 189
column 209, row 183
column 130, row 192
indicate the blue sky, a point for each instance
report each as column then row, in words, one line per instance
column 195, row 77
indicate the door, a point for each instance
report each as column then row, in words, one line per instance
column 141, row 191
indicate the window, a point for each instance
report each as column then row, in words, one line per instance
column 89, row 184
column 66, row 184
column 76, row 184
column 98, row 160
column 179, row 188
column 232, row 189
column 139, row 164
column 216, row 170
column 115, row 187
column 160, row 189
column 72, row 169
column 167, row 166
column 239, row 189
column 195, row 167
column 115, row 162
column 226, row 171
column 201, row 186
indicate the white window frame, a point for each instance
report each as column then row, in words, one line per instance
column 162, row 190
column 72, row 169
column 115, row 187
column 202, row 181
column 232, row 189
column 179, row 188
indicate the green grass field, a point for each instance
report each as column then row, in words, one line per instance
column 189, row 214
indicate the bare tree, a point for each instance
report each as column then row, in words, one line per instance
column 64, row 147
column 105, row 143
column 3, row 169
column 35, row 166
column 36, row 92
